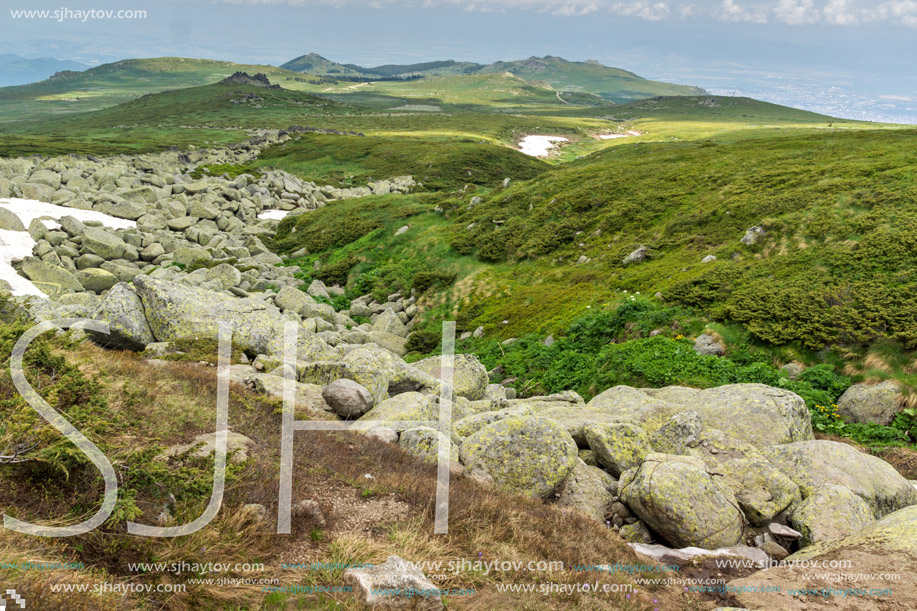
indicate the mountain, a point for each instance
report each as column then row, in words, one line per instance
column 612, row 84
column 15, row 70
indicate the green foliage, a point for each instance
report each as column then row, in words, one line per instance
column 427, row 280
column 338, row 302
column 232, row 170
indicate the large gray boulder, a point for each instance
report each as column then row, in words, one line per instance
column 812, row 464
column 529, row 456
column 876, row 403
column 9, row 221
column 424, row 441
column 96, row 280
column 618, row 446
column 472, row 424
column 469, row 376
column 576, row 418
column 675, row 496
column 831, row 512
column 347, row 398
column 50, row 279
column 388, row 322
column 123, row 311
column 396, row 584
column 175, row 311
column 587, row 489
column 103, row 243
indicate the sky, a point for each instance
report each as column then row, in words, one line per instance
column 850, row 58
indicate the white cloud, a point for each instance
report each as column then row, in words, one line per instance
column 730, row 11
column 797, row 12
column 643, row 9
column 841, row 12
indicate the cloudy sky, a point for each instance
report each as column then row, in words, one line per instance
column 848, row 57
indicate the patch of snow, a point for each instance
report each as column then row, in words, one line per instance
column 274, row 215
column 539, row 146
column 17, row 245
column 29, row 209
column 612, row 136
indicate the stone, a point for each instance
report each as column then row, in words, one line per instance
column 753, row 235
column 708, row 259
column 587, row 489
column 676, row 498
column 637, row 256
column 175, row 311
column 888, row 545
column 576, row 418
column 122, row 310
column 761, row 490
column 96, row 280
column 698, row 557
column 529, row 456
column 347, row 398
column 9, row 221
column 709, row 344
column 318, row 289
column 812, row 464
column 308, row 510
column 152, row 251
column 875, row 403
column 680, row 432
column 424, row 441
column 384, row 434
column 121, row 208
column 469, row 376
column 388, row 322
column 474, row 423
column 50, row 279
column 618, row 446
column 408, row 406
column 237, row 446
column 191, row 255
column 103, row 243
column 831, row 512
column 793, row 369
column 225, row 274
column 385, row 586
column 635, row 533
column 254, row 513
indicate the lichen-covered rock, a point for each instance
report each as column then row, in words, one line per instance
column 424, row 442
column 103, row 243
column 472, row 424
column 123, row 311
column 50, row 279
column 408, row 406
column 761, row 490
column 680, row 432
column 618, row 446
column 588, row 489
column 709, row 344
column 884, row 547
column 237, row 446
column 812, row 464
column 831, row 512
column 396, row 584
column 529, row 456
column 877, row 403
column 96, row 280
column 307, row 397
column 469, row 376
column 633, row 404
column 176, row 311
column 676, row 497
column 575, row 419
column 636, row 533
column 9, row 221
column 388, row 322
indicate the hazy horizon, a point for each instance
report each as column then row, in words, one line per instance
column 843, row 58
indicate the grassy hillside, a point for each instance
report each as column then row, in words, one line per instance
column 591, row 77
column 111, row 84
column 313, row 63
column 353, row 161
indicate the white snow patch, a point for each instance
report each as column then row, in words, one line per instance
column 613, row 136
column 17, row 245
column 274, row 215
column 539, row 146
column 29, row 209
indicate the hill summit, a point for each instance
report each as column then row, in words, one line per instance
column 244, row 78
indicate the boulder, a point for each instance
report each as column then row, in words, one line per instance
column 50, row 279
column 881, row 549
column 224, row 273
column 474, row 423
column 587, row 489
column 388, row 322
column 96, row 280
column 396, row 584
column 676, row 497
column 9, row 221
column 176, row 311
column 831, row 512
column 469, row 376
column 637, row 256
column 529, row 456
column 237, row 446
column 347, row 398
column 812, row 464
column 423, row 442
column 709, row 344
column 876, row 403
column 753, row 235
column 576, row 418
column 408, row 406
column 618, row 446
column 761, row 490
column 123, row 311
column 103, row 243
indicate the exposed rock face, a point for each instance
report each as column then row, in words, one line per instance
column 347, row 398
column 877, row 403
column 618, row 446
column 243, row 78
column 676, row 497
column 374, row 586
column 424, row 442
column 530, row 456
column 588, row 489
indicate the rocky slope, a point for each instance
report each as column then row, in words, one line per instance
column 733, row 467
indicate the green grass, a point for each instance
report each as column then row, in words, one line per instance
column 447, row 164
